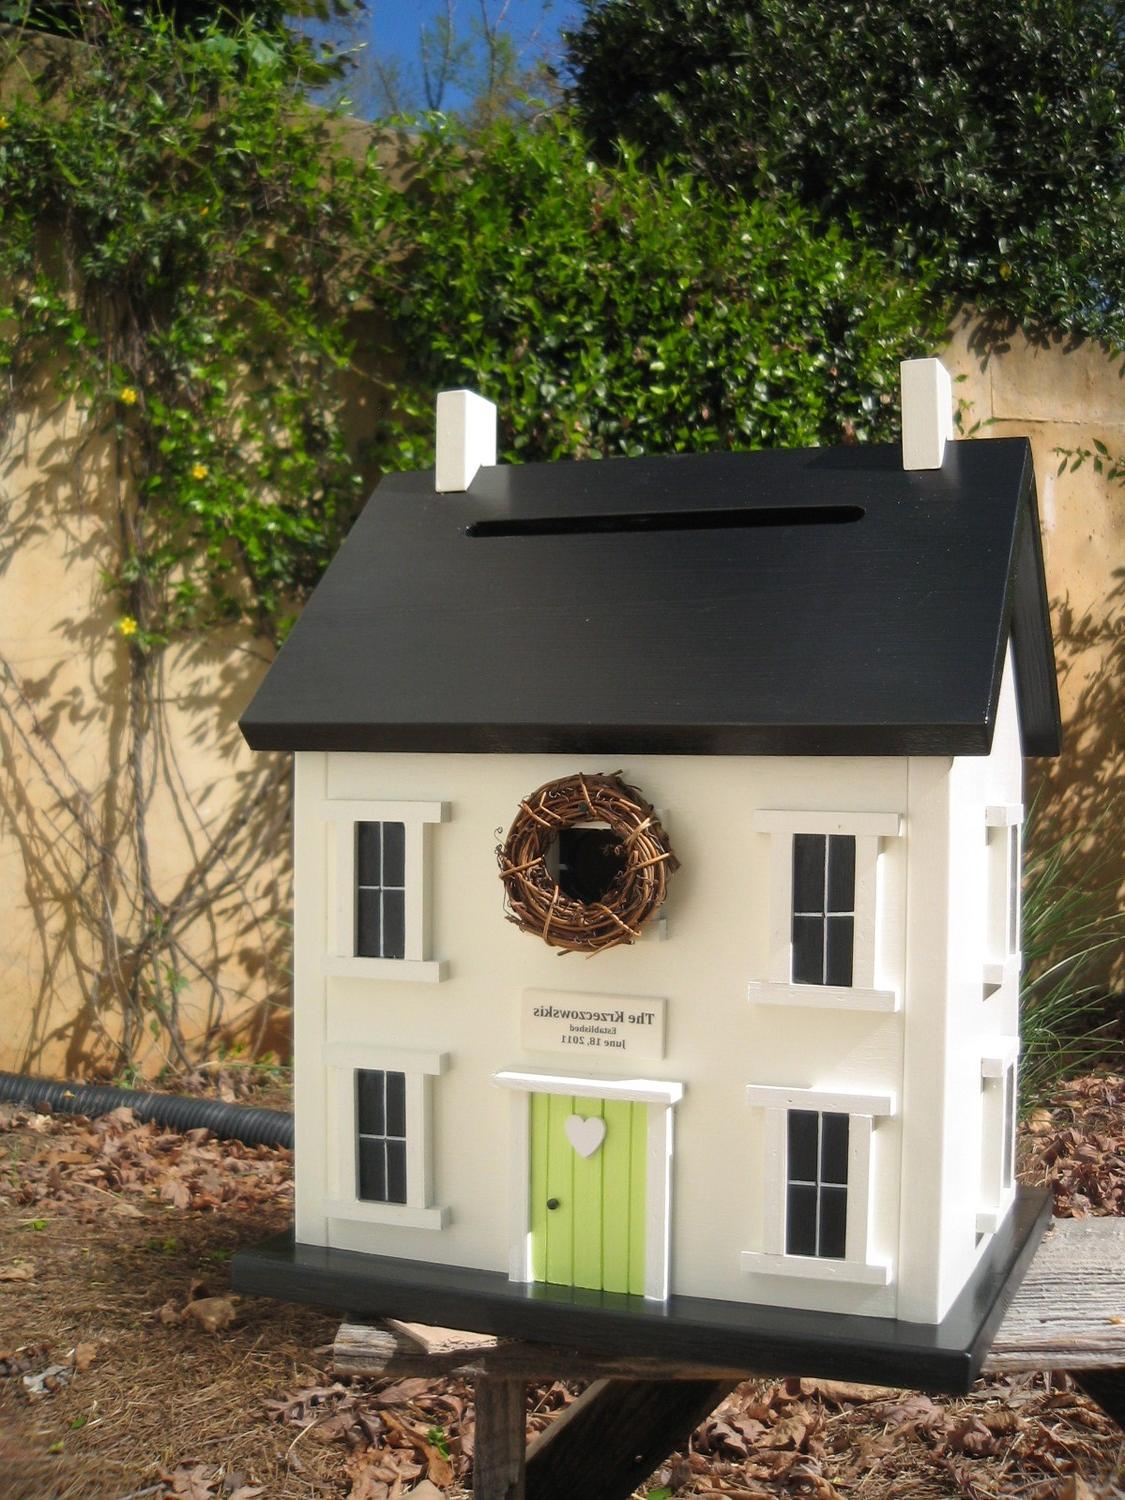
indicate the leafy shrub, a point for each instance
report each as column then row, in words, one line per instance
column 617, row 310
column 990, row 140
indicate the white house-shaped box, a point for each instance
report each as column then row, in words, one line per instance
column 786, row 1111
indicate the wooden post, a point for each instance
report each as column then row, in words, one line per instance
column 1106, row 1388
column 616, row 1433
column 500, row 1441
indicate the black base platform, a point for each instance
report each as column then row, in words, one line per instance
column 767, row 1340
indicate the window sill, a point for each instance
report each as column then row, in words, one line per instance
column 824, row 996
column 422, row 971
column 814, row 1268
column 996, row 975
column 398, row 1215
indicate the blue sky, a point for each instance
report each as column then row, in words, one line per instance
column 391, row 28
column 394, row 24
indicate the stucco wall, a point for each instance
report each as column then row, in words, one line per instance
column 69, row 876
column 1066, row 394
column 64, row 690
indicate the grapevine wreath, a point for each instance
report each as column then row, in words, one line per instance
column 642, row 860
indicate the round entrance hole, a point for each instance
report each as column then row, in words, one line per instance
column 589, row 860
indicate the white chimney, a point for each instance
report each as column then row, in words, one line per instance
column 466, row 438
column 927, row 412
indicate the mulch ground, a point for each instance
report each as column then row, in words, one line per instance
column 127, row 1369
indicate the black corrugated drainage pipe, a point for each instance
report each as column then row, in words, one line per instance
column 232, row 1122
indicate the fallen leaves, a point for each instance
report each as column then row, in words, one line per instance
column 211, row 1313
column 196, row 1481
column 41, row 1376
column 140, row 1164
column 1078, row 1147
column 413, row 1437
column 399, row 1436
column 19, row 1361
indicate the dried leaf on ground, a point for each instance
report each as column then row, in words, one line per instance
column 211, row 1313
column 83, row 1355
column 18, row 1270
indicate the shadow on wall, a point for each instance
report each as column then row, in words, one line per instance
column 144, row 852
column 1067, row 395
column 1080, row 797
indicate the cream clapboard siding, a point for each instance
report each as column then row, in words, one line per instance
column 716, row 941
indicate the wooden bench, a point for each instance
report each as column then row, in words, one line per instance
column 1068, row 1314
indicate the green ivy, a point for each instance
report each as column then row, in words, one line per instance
column 180, row 238
column 186, row 243
column 609, row 309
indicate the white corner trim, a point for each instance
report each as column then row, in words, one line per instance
column 658, row 1200
column 386, row 1213
column 639, row 1090
column 998, row 1055
column 834, row 1101
column 987, row 1221
column 388, row 1059
column 1003, row 816
column 350, row 810
column 826, row 996
column 814, row 1268
column 418, row 970
column 887, row 825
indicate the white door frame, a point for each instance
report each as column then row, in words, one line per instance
column 660, row 1096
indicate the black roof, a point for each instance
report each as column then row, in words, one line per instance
column 793, row 602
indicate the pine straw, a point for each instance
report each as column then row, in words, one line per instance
column 535, row 902
column 170, row 1408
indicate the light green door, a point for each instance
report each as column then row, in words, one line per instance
column 588, row 1168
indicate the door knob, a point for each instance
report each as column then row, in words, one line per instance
column 552, row 1203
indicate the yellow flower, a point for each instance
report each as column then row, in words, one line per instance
column 127, row 395
column 3, row 122
column 205, row 210
column 199, row 471
column 127, row 625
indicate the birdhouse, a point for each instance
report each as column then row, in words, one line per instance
column 657, row 897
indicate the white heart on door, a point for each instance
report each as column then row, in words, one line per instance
column 585, row 1135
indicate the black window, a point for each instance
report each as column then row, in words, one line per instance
column 816, row 1207
column 380, row 897
column 823, row 908
column 380, row 1116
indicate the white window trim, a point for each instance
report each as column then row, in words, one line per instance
column 996, row 1197
column 342, row 1060
column 862, row 1110
column 342, row 960
column 1003, row 823
column 660, row 1095
column 868, row 829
